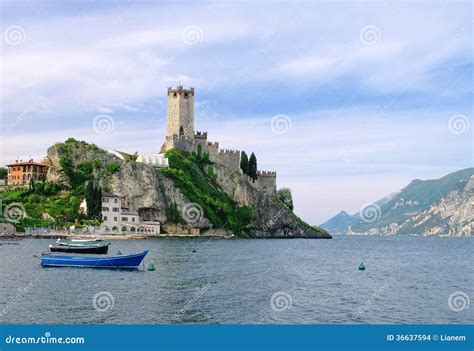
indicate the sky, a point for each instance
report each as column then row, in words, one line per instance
column 347, row 101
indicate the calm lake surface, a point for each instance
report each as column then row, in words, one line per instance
column 407, row 280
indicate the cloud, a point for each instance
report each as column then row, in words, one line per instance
column 249, row 63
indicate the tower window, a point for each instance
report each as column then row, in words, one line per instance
column 175, row 94
column 186, row 95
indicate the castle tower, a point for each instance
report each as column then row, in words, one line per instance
column 180, row 114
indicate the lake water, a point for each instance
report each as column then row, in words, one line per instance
column 407, row 280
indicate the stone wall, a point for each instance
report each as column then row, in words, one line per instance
column 229, row 158
column 180, row 112
column 267, row 181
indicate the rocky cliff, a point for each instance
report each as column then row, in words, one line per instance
column 157, row 196
column 426, row 207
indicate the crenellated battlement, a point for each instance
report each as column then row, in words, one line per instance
column 213, row 144
column 229, row 152
column 200, row 134
column 266, row 174
column 180, row 90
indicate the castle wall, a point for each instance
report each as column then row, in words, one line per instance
column 181, row 114
column 267, row 181
column 229, row 158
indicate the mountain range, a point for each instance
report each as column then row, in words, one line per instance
column 443, row 206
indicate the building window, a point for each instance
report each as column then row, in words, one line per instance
column 186, row 95
column 115, row 219
column 104, row 199
column 105, row 218
column 115, row 209
column 105, row 209
column 115, row 200
column 133, row 219
column 175, row 95
column 124, row 219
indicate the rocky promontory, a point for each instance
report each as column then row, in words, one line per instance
column 192, row 194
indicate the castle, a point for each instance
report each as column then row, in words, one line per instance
column 180, row 134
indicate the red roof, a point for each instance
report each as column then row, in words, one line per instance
column 29, row 163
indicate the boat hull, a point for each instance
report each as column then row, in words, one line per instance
column 92, row 249
column 121, row 262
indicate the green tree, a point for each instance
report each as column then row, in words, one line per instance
column 90, row 199
column 244, row 162
column 98, row 202
column 253, row 166
column 285, row 196
column 3, row 173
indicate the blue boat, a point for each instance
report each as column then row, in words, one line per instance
column 122, row 261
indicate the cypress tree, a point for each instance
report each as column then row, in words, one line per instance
column 98, row 202
column 89, row 195
column 244, row 162
column 253, row 166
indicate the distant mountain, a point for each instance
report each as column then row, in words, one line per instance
column 442, row 206
column 339, row 223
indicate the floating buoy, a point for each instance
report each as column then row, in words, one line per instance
column 151, row 267
column 119, row 252
column 193, row 250
column 362, row 266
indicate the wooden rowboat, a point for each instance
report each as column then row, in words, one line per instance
column 122, row 261
column 84, row 249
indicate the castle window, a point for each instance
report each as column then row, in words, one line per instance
column 175, row 94
column 185, row 95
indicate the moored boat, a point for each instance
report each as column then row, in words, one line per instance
column 85, row 249
column 122, row 261
column 79, row 241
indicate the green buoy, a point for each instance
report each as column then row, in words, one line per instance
column 151, row 267
column 362, row 266
column 119, row 252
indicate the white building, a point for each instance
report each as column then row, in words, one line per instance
column 116, row 217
